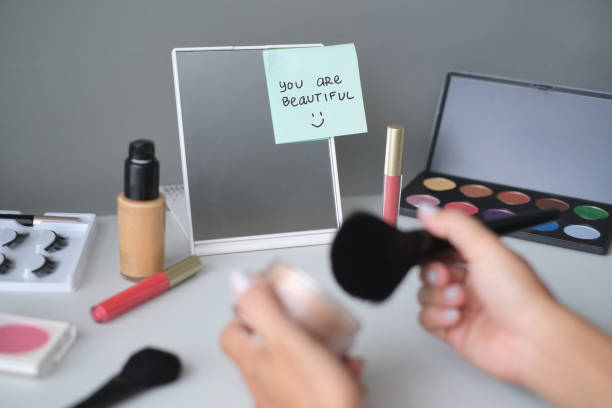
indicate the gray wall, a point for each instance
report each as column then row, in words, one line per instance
column 80, row 79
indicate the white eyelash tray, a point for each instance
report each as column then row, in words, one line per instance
column 48, row 257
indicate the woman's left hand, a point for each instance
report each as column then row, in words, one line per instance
column 283, row 365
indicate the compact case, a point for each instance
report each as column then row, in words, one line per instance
column 502, row 147
column 33, row 347
column 305, row 302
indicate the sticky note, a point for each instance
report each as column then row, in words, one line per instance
column 314, row 92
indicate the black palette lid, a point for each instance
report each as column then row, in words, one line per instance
column 533, row 136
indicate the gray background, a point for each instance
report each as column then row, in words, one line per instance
column 80, row 79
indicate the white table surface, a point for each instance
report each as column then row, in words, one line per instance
column 405, row 367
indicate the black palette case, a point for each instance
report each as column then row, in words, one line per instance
column 503, row 147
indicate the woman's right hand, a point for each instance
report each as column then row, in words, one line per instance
column 488, row 304
column 484, row 300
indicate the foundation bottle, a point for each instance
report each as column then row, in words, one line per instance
column 141, row 212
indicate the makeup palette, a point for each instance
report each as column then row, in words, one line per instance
column 33, row 347
column 49, row 256
column 503, row 147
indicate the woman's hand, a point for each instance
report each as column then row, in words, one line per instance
column 283, row 365
column 488, row 304
column 484, row 300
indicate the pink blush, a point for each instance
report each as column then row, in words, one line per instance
column 21, row 338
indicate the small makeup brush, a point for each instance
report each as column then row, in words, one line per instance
column 370, row 258
column 146, row 368
column 30, row 220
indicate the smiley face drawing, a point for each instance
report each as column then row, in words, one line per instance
column 322, row 120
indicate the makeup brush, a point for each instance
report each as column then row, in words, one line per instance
column 370, row 258
column 30, row 220
column 146, row 368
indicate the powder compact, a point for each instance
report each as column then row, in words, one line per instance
column 502, row 147
column 33, row 347
column 313, row 309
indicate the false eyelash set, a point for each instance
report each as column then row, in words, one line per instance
column 40, row 264
column 49, row 256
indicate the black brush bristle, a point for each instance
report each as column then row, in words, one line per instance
column 47, row 268
column 146, row 368
column 59, row 242
column 6, row 265
column 368, row 257
column 150, row 367
column 19, row 238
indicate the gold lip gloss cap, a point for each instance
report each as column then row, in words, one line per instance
column 183, row 270
column 395, row 147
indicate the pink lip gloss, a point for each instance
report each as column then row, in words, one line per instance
column 393, row 173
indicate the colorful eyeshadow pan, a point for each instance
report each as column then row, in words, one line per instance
column 419, row 199
column 581, row 231
column 466, row 207
column 475, row 190
column 495, row 213
column 547, row 227
column 439, row 183
column 551, row 204
column 513, row 197
column 590, row 212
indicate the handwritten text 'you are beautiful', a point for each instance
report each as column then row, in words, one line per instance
column 328, row 96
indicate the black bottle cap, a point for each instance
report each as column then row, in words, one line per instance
column 141, row 171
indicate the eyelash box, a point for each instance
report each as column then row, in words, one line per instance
column 48, row 257
column 502, row 147
column 33, row 347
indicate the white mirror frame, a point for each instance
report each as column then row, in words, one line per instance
column 253, row 242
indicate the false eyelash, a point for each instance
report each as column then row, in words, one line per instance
column 6, row 265
column 60, row 242
column 46, row 269
column 19, row 238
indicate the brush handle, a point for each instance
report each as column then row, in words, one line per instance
column 30, row 220
column 501, row 226
column 24, row 219
column 506, row 225
column 113, row 391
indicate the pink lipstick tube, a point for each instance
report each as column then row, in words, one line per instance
column 393, row 173
column 146, row 289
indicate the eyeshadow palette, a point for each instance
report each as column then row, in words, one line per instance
column 582, row 224
column 501, row 147
column 47, row 257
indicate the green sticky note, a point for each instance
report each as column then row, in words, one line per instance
column 315, row 92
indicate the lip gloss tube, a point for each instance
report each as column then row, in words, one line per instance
column 393, row 173
column 146, row 289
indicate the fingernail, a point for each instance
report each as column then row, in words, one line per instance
column 432, row 276
column 452, row 292
column 240, row 282
column 427, row 209
column 451, row 315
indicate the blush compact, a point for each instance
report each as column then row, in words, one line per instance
column 502, row 147
column 31, row 346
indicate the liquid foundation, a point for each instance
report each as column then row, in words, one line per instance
column 141, row 212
